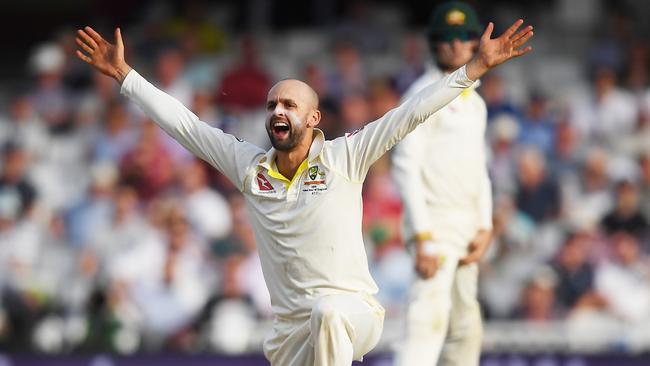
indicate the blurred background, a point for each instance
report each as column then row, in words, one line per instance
column 114, row 240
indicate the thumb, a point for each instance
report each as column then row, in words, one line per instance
column 118, row 40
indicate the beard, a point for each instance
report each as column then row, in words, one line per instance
column 293, row 137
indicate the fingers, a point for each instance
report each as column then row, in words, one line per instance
column 521, row 52
column 521, row 33
column 488, row 31
column 472, row 257
column 86, row 38
column 94, row 35
column 522, row 40
column 467, row 260
column 83, row 57
column 84, row 46
column 513, row 28
column 118, row 38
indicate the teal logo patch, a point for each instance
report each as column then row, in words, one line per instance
column 313, row 172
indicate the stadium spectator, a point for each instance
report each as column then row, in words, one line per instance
column 348, row 76
column 608, row 113
column 625, row 215
column 537, row 129
column 161, row 283
column 574, row 272
column 50, row 97
column 496, row 98
column 207, row 211
column 587, row 196
column 243, row 87
column 538, row 195
column 24, row 127
column 538, row 298
column 644, row 167
column 17, row 194
column 624, row 282
column 564, row 156
column 148, row 165
column 503, row 132
column 116, row 137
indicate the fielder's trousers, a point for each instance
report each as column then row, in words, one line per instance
column 444, row 324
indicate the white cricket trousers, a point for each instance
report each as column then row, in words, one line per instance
column 340, row 329
column 443, row 325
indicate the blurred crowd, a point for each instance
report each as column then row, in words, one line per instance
column 112, row 237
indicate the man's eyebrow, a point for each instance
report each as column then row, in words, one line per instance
column 289, row 101
column 285, row 101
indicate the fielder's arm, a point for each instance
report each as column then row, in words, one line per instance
column 406, row 161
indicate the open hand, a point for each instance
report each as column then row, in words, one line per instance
column 100, row 54
column 493, row 52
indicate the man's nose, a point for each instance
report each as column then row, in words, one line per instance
column 455, row 43
column 279, row 111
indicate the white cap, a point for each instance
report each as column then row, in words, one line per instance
column 47, row 58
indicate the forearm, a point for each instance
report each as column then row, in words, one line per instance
column 170, row 114
column 175, row 119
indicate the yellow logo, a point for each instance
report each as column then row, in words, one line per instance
column 455, row 17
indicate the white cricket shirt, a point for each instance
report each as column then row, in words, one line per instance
column 307, row 229
column 440, row 170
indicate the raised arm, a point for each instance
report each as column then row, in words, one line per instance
column 223, row 151
column 365, row 146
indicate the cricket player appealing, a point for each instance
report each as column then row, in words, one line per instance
column 440, row 170
column 304, row 195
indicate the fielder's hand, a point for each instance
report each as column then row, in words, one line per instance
column 103, row 56
column 426, row 263
column 493, row 52
column 477, row 247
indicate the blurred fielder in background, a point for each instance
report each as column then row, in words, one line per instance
column 304, row 195
column 441, row 173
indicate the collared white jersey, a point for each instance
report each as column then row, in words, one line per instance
column 440, row 169
column 307, row 229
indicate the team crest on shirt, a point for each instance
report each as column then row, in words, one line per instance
column 313, row 172
column 316, row 182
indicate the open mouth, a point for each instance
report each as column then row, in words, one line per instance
column 281, row 129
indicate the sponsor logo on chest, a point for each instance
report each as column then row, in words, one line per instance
column 263, row 184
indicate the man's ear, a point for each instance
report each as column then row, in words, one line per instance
column 314, row 118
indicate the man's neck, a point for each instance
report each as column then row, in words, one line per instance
column 288, row 162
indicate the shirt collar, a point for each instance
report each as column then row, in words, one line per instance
column 314, row 150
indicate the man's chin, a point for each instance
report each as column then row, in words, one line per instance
column 282, row 145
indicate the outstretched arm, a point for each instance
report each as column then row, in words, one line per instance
column 366, row 146
column 229, row 155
